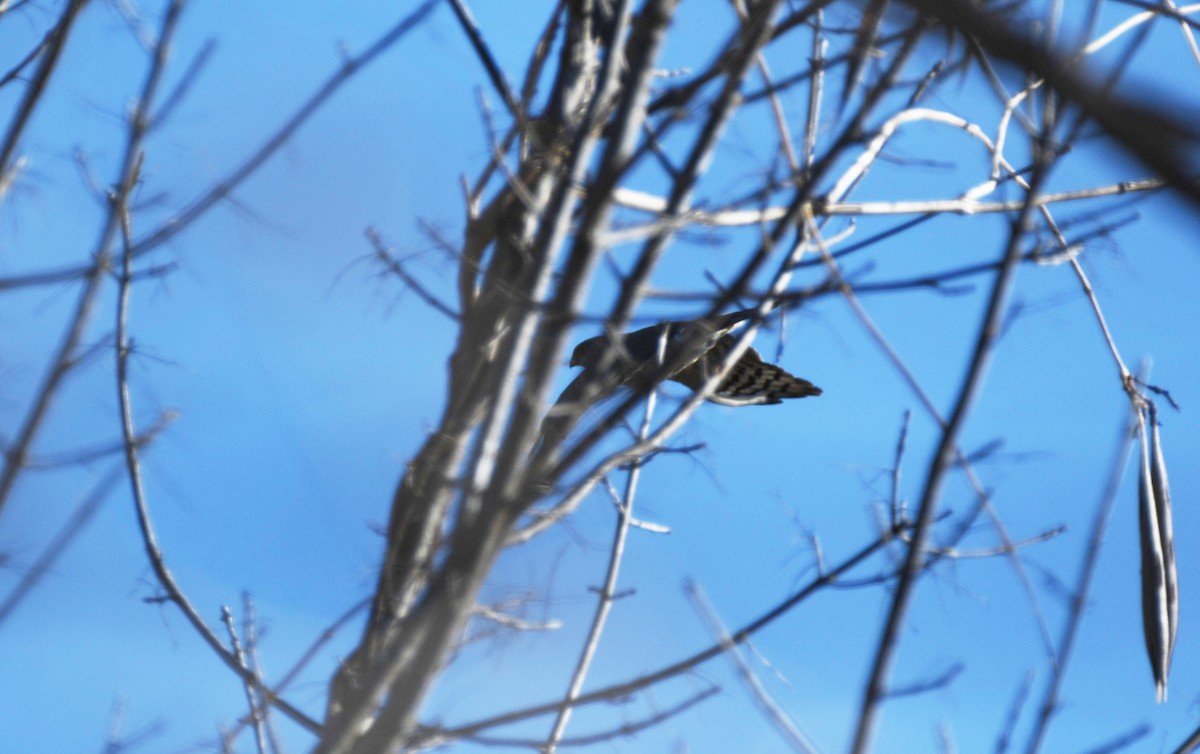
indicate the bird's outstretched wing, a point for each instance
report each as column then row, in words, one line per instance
column 749, row 382
column 625, row 355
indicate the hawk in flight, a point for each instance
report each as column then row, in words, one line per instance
column 750, row 380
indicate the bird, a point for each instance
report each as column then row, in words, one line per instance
column 694, row 349
column 750, row 381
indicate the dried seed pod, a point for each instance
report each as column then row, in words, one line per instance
column 1156, row 602
column 1166, row 531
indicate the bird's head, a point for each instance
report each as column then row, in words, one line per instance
column 587, row 351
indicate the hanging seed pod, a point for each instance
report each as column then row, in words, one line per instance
column 1156, row 621
column 1166, row 530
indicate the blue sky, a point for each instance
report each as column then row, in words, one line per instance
column 303, row 382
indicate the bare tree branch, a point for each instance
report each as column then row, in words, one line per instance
column 876, row 688
column 685, row 665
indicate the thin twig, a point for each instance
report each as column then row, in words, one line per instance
column 876, row 687
column 65, row 357
column 896, row 505
column 15, row 71
column 788, row 730
column 687, row 664
column 1008, row 546
column 623, row 731
column 36, row 87
column 396, row 267
column 189, row 77
column 1123, row 741
column 119, row 216
column 309, row 655
column 817, row 64
column 606, row 595
column 235, row 645
column 495, row 75
column 1082, row 591
column 967, row 205
column 511, row 621
column 81, row 456
column 57, row 547
column 349, row 67
column 214, row 194
column 254, row 665
column 1005, row 735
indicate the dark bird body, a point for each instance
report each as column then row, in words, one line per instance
column 693, row 350
column 750, row 380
